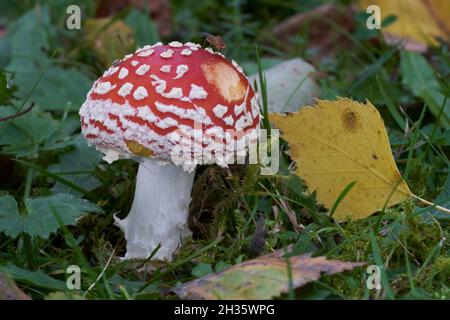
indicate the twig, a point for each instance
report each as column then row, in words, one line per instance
column 101, row 274
column 432, row 204
column 292, row 24
column 18, row 114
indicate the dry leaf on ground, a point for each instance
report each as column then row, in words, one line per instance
column 110, row 40
column 337, row 142
column 9, row 289
column 418, row 21
column 262, row 278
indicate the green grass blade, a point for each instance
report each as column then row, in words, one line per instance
column 379, row 262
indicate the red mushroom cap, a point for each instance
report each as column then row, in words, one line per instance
column 143, row 104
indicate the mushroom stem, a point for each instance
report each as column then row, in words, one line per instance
column 159, row 214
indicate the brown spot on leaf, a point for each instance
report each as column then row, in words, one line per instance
column 350, row 121
column 374, row 156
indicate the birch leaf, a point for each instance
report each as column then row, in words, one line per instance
column 261, row 278
column 338, row 142
column 418, row 22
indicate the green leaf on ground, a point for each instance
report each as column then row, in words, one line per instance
column 30, row 51
column 40, row 219
column 5, row 90
column 202, row 269
column 144, row 30
column 9, row 210
column 61, row 89
column 418, row 76
column 443, row 200
column 67, row 295
column 36, row 278
column 78, row 161
column 24, row 136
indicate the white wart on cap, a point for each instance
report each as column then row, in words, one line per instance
column 139, row 105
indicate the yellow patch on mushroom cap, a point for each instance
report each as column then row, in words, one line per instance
column 226, row 79
column 138, row 149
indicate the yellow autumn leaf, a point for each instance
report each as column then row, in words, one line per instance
column 337, row 142
column 418, row 21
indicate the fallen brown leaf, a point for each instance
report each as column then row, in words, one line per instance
column 262, row 278
column 9, row 289
column 109, row 39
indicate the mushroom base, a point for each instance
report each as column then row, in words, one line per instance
column 159, row 214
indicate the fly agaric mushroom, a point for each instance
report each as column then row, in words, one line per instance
column 145, row 107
